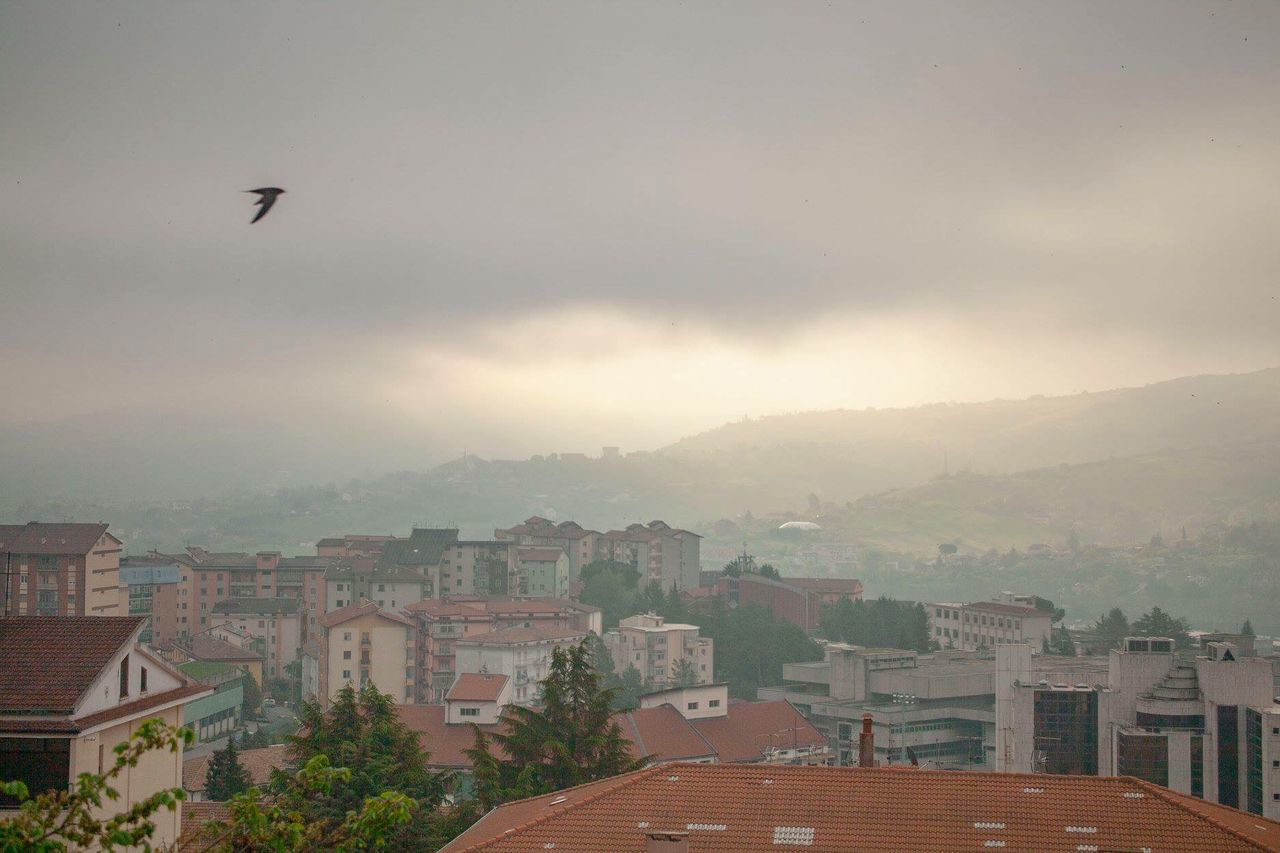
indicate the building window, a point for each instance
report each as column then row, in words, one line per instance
column 346, row 675
column 43, row 764
column 714, row 703
column 469, row 712
column 346, row 655
column 124, row 677
column 142, row 680
column 692, row 706
column 1066, row 731
column 1228, row 755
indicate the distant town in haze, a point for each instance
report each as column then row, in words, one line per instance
column 640, row 427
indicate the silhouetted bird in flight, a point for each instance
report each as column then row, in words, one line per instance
column 269, row 196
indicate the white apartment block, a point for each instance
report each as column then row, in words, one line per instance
column 657, row 649
column 987, row 624
column 521, row 653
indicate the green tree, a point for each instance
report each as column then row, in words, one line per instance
column 572, row 739
column 74, row 819
column 684, row 674
column 630, row 689
column 1247, row 629
column 252, row 696
column 1111, row 629
column 613, row 587
column 751, row 646
column 361, row 733
column 226, row 776
column 768, row 571
column 1158, row 623
column 279, row 821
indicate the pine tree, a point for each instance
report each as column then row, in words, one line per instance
column 1247, row 629
column 572, row 739
column 226, row 776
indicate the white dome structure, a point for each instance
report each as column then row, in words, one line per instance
column 800, row 525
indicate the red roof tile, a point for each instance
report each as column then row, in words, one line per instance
column 749, row 729
column 520, row 634
column 208, row 648
column 258, row 763
column 61, row 656
column 661, row 734
column 477, row 687
column 444, row 743
column 360, row 608
column 37, row 537
column 761, row 808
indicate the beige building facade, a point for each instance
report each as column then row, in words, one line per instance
column 361, row 643
column 60, row 570
column 661, row 650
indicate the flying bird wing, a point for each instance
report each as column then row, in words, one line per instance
column 267, row 198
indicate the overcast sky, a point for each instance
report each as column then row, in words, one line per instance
column 528, row 227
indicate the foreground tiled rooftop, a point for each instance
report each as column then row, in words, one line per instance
column 771, row 808
column 50, row 661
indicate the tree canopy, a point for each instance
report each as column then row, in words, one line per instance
column 570, row 740
column 882, row 622
column 225, row 776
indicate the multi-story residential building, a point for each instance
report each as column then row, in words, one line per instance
column 578, row 543
column 208, row 578
column 522, row 653
column 71, row 690
column 358, row 644
column 799, row 601
column 1191, row 723
column 441, row 623
column 452, row 566
column 60, row 570
column 543, row 571
column 274, row 621
column 661, row 553
column 663, row 652
column 151, row 586
column 676, row 808
column 987, row 624
column 352, row 545
column 390, row 587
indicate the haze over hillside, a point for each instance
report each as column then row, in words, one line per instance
column 1190, row 451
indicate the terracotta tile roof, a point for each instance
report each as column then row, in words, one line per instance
column 749, row 729
column 37, row 537
column 258, row 763
column 477, row 687
column 206, row 647
column 444, row 743
column 435, row 609
column 764, row 808
column 520, row 634
column 194, row 818
column 661, row 734
column 61, row 657
column 360, row 608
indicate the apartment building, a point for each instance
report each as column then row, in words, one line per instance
column 71, row 690
column 352, row 545
column 662, row 651
column 358, row 644
column 60, row 570
column 209, row 578
column 799, row 601
column 390, row 587
column 987, row 624
column 151, row 589
column 276, row 622
column 1202, row 724
column 661, row 553
column 543, row 571
column 452, row 566
column 442, row 623
column 522, row 653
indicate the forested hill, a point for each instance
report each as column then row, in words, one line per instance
column 844, row 454
column 1111, row 502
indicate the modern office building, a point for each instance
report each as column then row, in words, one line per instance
column 987, row 624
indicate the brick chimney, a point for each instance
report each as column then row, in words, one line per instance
column 666, row 842
column 866, row 744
